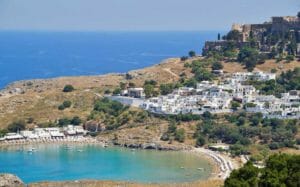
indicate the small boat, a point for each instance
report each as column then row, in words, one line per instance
column 181, row 167
column 31, row 150
column 79, row 150
column 200, row 168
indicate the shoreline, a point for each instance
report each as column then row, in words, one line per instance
column 221, row 166
column 77, row 140
column 223, row 163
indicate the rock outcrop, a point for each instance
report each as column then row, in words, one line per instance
column 8, row 180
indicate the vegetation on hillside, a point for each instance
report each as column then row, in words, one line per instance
column 280, row 170
column 286, row 81
column 114, row 114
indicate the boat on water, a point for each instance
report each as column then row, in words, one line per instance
column 31, row 150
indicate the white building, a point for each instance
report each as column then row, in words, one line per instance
column 13, row 136
column 136, row 92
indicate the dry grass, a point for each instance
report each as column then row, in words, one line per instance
column 232, row 67
column 42, row 97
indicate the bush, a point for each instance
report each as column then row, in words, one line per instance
column 107, row 91
column 192, row 53
column 68, row 88
column 109, row 107
column 64, row 122
column 76, row 120
column 16, row 126
column 217, row 65
column 241, row 121
column 165, row 137
column 61, row 107
column 246, row 176
column 184, row 58
column 117, row 91
column 235, row 105
column 180, row 135
column 290, row 58
column 128, row 76
column 200, row 141
column 67, row 104
column 64, row 105
column 274, row 146
column 166, row 88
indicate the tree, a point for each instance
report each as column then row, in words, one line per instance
column 123, row 85
column 249, row 57
column 289, row 58
column 192, row 53
column 172, row 127
column 63, row 122
column 180, row 135
column 131, row 85
column 148, row 89
column 241, row 121
column 76, row 120
column 200, row 141
column 217, row 65
column 247, row 176
column 233, row 35
column 279, row 170
column 151, row 82
column 207, row 115
column 16, row 126
column 68, row 88
column 166, row 88
column 255, row 120
column 235, row 105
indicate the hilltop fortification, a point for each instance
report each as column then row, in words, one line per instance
column 281, row 34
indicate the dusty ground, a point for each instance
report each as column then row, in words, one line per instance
column 39, row 99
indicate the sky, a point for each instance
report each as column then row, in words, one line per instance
column 138, row 15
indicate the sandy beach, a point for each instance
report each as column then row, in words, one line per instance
column 222, row 164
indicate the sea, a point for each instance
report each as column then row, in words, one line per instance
column 33, row 55
column 75, row 162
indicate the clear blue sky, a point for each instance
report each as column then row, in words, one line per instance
column 89, row 15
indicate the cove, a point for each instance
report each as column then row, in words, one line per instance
column 75, row 162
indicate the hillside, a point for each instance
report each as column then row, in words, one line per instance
column 39, row 99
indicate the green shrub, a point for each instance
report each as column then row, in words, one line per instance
column 180, row 135
column 200, row 141
column 16, row 126
column 68, row 88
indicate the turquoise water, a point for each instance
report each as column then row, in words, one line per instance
column 58, row 162
column 30, row 55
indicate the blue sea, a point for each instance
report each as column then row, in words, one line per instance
column 59, row 162
column 31, row 55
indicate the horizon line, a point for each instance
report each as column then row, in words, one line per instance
column 125, row 30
